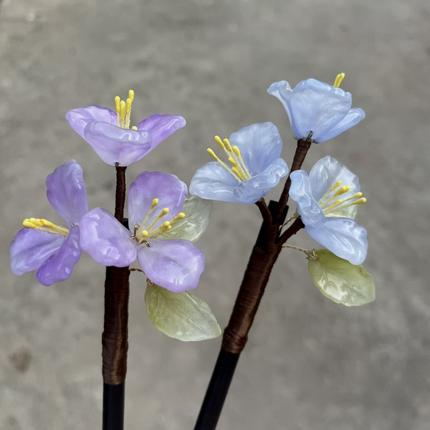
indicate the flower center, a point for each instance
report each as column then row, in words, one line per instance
column 45, row 225
column 237, row 166
column 338, row 80
column 330, row 201
column 152, row 225
column 123, row 110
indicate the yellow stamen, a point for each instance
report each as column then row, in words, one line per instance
column 45, row 225
column 123, row 110
column 154, row 202
column 339, row 79
column 211, row 152
column 342, row 190
column 122, row 113
column 238, row 167
column 355, row 199
column 134, row 128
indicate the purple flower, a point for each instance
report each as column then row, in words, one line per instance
column 50, row 250
column 155, row 203
column 110, row 135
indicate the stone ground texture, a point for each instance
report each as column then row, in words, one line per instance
column 309, row 364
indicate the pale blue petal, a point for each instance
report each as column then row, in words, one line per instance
column 352, row 118
column 254, row 189
column 213, row 182
column 312, row 106
column 260, row 145
column 301, row 193
column 326, row 171
column 342, row 236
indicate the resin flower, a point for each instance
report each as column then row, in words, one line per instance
column 317, row 110
column 110, row 135
column 327, row 201
column 42, row 246
column 155, row 211
column 252, row 169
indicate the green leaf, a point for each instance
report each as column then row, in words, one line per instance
column 197, row 212
column 180, row 315
column 341, row 281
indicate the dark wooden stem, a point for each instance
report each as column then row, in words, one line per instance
column 115, row 333
column 261, row 261
column 302, row 149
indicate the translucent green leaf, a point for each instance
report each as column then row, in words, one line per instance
column 180, row 315
column 341, row 281
column 197, row 212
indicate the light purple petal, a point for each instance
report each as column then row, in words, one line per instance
column 169, row 190
column 106, row 240
column 342, row 236
column 59, row 266
column 260, row 145
column 352, row 118
column 254, row 189
column 117, row 145
column 31, row 248
column 301, row 193
column 172, row 264
column 79, row 118
column 65, row 188
column 213, row 182
column 161, row 126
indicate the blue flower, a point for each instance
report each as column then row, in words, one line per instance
column 318, row 108
column 327, row 201
column 253, row 168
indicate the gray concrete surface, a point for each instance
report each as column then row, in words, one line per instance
column 309, row 364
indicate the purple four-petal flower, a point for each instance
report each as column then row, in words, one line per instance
column 113, row 144
column 155, row 201
column 50, row 250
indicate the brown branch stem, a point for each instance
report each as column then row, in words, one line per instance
column 115, row 333
column 302, row 149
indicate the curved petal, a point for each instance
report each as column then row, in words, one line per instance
column 106, row 240
column 281, row 90
column 255, row 188
column 342, row 236
column 58, row 267
column 172, row 264
column 301, row 193
column 161, row 126
column 79, row 118
column 324, row 174
column 213, row 182
column 117, row 145
column 65, row 188
column 260, row 145
column 313, row 106
column 197, row 213
column 31, row 248
column 352, row 118
column 168, row 189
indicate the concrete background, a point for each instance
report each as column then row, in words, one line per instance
column 309, row 364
